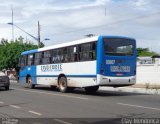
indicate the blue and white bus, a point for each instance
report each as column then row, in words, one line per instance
column 87, row 63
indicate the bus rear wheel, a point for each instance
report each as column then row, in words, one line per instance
column 91, row 89
column 63, row 85
column 29, row 82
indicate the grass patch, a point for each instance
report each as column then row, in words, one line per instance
column 148, row 86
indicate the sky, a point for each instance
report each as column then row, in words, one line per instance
column 68, row 20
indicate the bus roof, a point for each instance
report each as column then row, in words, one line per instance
column 85, row 40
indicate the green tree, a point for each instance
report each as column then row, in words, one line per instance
column 41, row 45
column 145, row 52
column 10, row 52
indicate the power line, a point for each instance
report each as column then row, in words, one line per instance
column 109, row 24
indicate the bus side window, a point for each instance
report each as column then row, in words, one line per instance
column 53, row 57
column 57, row 55
column 30, row 60
column 65, row 55
column 37, row 59
column 47, row 54
column 60, row 55
column 22, row 62
column 72, row 54
column 76, row 55
column 94, row 51
column 85, row 52
column 46, row 59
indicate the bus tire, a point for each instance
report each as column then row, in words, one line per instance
column 91, row 89
column 29, row 82
column 63, row 84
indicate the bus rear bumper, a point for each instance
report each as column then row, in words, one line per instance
column 116, row 81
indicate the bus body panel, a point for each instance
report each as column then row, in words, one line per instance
column 28, row 71
column 116, row 81
column 115, row 70
column 79, row 74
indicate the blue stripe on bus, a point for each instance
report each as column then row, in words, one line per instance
column 81, row 76
column 30, row 51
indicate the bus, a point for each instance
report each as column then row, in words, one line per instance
column 87, row 63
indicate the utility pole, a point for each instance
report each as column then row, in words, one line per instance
column 12, row 25
column 39, row 35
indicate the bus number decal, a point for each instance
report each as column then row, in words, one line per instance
column 109, row 62
column 120, row 68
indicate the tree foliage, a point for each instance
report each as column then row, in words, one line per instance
column 10, row 52
column 41, row 45
column 145, row 52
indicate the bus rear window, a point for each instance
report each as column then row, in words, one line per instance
column 119, row 46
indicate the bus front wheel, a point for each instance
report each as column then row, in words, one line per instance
column 29, row 81
column 91, row 89
column 63, row 85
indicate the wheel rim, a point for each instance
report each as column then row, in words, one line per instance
column 29, row 81
column 62, row 85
